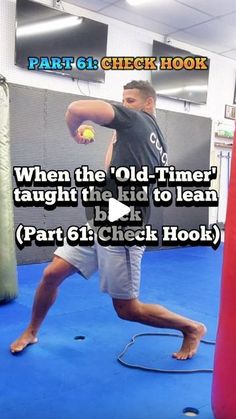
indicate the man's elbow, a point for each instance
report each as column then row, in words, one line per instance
column 75, row 108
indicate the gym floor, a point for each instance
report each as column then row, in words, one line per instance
column 73, row 373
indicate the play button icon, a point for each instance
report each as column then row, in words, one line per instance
column 116, row 210
column 106, row 207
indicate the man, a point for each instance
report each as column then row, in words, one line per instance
column 138, row 142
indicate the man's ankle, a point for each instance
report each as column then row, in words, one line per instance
column 31, row 330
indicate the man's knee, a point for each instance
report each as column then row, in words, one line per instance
column 56, row 272
column 127, row 309
column 50, row 277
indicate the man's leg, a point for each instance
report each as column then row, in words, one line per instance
column 46, row 293
column 159, row 316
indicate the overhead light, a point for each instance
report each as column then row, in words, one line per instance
column 138, row 2
column 49, row 26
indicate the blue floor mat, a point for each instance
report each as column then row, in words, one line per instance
column 67, row 378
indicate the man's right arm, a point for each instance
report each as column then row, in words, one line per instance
column 96, row 111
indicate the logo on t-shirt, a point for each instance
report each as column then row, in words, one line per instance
column 155, row 140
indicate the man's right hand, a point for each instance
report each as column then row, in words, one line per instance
column 78, row 136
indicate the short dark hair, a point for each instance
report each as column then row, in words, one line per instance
column 144, row 86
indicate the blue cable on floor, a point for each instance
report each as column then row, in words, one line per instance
column 141, row 367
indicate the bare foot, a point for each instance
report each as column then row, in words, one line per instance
column 191, row 342
column 27, row 338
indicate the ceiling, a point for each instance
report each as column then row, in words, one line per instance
column 208, row 24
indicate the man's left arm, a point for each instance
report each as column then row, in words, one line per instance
column 97, row 111
column 109, row 152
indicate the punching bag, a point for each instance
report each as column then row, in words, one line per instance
column 8, row 278
column 224, row 375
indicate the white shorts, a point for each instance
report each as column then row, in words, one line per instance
column 119, row 266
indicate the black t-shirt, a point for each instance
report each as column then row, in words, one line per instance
column 139, row 143
column 139, row 139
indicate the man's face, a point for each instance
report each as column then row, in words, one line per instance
column 133, row 99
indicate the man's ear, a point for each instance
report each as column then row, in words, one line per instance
column 150, row 102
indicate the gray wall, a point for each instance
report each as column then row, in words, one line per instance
column 188, row 140
column 39, row 136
